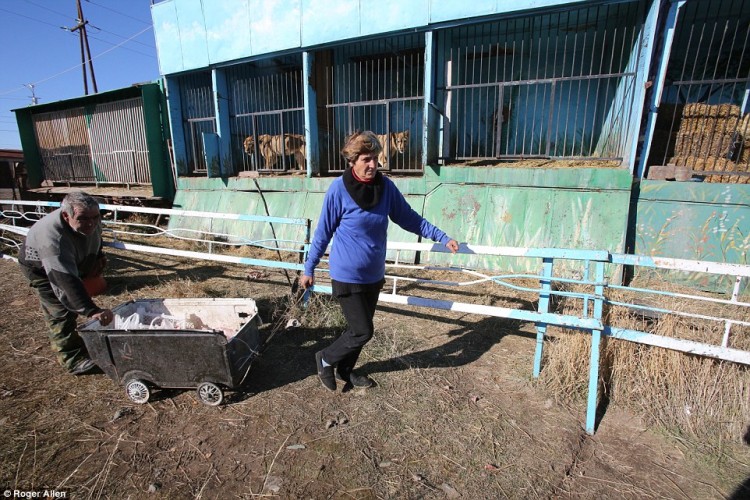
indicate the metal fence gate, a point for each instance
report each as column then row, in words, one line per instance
column 557, row 85
column 375, row 85
column 703, row 122
column 267, row 116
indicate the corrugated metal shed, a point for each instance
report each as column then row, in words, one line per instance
column 115, row 138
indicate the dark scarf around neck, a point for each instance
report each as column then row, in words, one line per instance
column 365, row 195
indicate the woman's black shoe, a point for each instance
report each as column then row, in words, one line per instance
column 325, row 373
column 355, row 380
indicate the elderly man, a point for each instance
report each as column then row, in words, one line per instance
column 60, row 250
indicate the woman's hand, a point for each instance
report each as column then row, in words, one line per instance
column 306, row 281
column 452, row 246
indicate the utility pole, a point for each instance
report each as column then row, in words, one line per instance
column 34, row 99
column 85, row 50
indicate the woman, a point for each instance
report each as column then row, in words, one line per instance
column 356, row 208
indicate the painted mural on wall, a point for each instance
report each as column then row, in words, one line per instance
column 712, row 225
column 529, row 218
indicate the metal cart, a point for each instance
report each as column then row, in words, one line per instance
column 206, row 344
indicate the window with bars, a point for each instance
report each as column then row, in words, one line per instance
column 196, row 96
column 703, row 122
column 557, row 85
column 375, row 85
column 267, row 115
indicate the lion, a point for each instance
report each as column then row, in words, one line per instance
column 393, row 143
column 271, row 147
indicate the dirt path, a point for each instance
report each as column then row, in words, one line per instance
column 455, row 415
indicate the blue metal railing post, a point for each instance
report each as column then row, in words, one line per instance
column 596, row 339
column 586, row 272
column 544, row 296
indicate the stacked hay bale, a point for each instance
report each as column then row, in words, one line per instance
column 714, row 138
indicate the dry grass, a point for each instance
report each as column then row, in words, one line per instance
column 703, row 398
column 320, row 311
column 703, row 401
column 706, row 401
column 454, row 412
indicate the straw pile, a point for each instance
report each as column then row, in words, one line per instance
column 702, row 399
column 713, row 138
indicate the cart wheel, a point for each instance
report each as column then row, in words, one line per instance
column 137, row 391
column 210, row 394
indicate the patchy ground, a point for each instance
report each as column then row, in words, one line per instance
column 455, row 414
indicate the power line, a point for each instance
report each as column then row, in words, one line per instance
column 30, row 18
column 94, row 57
column 118, row 12
column 21, row 87
column 118, row 36
column 126, row 48
column 91, row 25
column 48, row 9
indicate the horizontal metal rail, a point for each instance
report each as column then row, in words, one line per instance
column 207, row 237
column 590, row 289
column 537, row 81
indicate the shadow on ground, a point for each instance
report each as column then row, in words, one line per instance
column 290, row 356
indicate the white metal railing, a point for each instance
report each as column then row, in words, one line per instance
column 592, row 289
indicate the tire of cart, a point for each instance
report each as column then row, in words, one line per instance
column 138, row 391
column 210, row 394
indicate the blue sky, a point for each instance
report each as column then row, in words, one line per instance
column 36, row 50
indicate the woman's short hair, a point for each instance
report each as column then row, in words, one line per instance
column 79, row 200
column 359, row 143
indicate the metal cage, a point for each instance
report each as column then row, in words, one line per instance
column 267, row 115
column 64, row 145
column 375, row 85
column 105, row 144
column 703, row 123
column 555, row 85
column 196, row 96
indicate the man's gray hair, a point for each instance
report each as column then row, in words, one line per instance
column 80, row 200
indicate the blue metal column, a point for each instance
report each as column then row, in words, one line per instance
column 177, row 127
column 429, row 120
column 596, row 339
column 221, row 104
column 311, row 115
column 544, row 296
column 661, row 74
column 641, row 62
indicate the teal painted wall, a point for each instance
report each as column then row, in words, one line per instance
column 193, row 34
column 517, row 207
column 694, row 220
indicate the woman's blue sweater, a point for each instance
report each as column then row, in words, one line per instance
column 358, row 250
